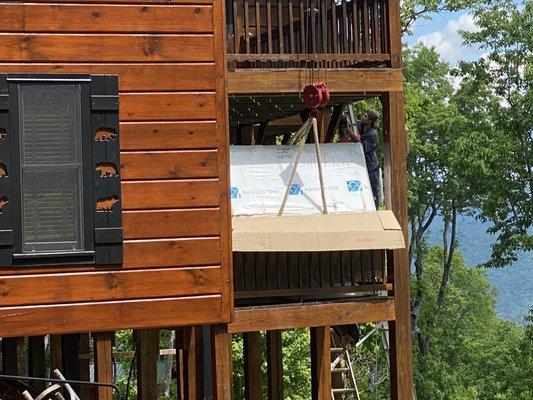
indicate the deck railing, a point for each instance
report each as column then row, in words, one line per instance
column 318, row 33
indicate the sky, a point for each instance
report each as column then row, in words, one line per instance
column 442, row 32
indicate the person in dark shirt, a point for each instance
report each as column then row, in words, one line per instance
column 368, row 137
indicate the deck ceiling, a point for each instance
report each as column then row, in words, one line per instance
column 257, row 108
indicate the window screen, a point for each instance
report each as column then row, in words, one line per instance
column 51, row 167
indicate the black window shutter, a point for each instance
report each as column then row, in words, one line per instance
column 6, row 218
column 106, row 169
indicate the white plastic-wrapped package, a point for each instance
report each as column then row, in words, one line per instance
column 259, row 177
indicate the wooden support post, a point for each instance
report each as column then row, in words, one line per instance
column 37, row 361
column 324, row 120
column 275, row 365
column 247, row 135
column 147, row 354
column 103, row 362
column 253, row 376
column 321, row 362
column 10, row 364
column 84, row 362
column 55, row 352
column 333, row 123
column 189, row 373
column 223, row 362
column 70, row 360
column 396, row 200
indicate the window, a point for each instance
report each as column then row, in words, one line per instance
column 59, row 170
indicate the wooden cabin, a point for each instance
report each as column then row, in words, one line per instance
column 116, row 119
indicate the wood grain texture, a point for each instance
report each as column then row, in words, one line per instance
column 168, row 164
column 170, row 223
column 253, row 376
column 103, row 316
column 106, row 18
column 396, row 198
column 37, row 47
column 169, row 194
column 309, row 315
column 147, row 346
column 133, row 77
column 167, row 135
column 109, row 285
column 351, row 80
column 167, row 2
column 169, row 253
column 166, row 106
column 222, row 362
column 103, row 363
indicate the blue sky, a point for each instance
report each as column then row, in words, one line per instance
column 442, row 32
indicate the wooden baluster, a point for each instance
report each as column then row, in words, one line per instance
column 291, row 31
column 269, row 27
column 356, row 29
column 376, row 39
column 247, row 26
column 312, row 14
column 366, row 28
column 236, row 28
column 258, row 25
column 303, row 33
column 324, row 28
column 335, row 30
column 378, row 28
column 344, row 31
column 280, row 28
column 384, row 27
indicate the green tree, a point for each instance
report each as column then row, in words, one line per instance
column 505, row 76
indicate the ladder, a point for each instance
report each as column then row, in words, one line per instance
column 342, row 364
column 352, row 120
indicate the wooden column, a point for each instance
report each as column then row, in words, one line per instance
column 253, row 377
column 37, row 361
column 321, row 362
column 275, row 365
column 84, row 362
column 55, row 352
column 396, row 199
column 147, row 354
column 223, row 362
column 70, row 350
column 103, row 363
column 10, row 359
column 189, row 373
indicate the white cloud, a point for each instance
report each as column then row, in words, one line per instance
column 449, row 43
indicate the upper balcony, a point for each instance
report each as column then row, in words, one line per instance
column 310, row 33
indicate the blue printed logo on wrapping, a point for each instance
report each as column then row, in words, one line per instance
column 295, row 189
column 234, row 192
column 353, row 186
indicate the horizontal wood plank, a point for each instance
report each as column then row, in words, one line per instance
column 132, row 77
column 105, row 18
column 167, row 2
column 170, row 223
column 115, row 285
column 351, row 80
column 169, row 194
column 167, row 106
column 168, row 164
column 252, row 319
column 105, row 48
column 167, row 135
column 111, row 315
column 171, row 252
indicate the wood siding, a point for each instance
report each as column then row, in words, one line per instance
column 176, row 268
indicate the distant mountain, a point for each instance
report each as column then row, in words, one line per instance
column 514, row 283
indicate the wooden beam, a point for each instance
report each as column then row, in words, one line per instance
column 396, row 200
column 147, row 353
column 223, row 362
column 275, row 365
column 333, row 123
column 84, row 391
column 252, row 319
column 103, row 361
column 10, row 359
column 253, row 376
column 349, row 80
column 321, row 365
